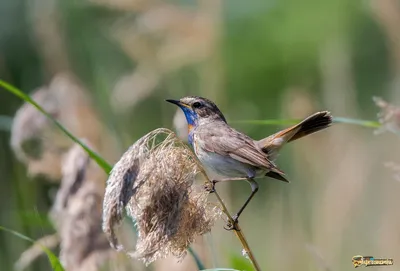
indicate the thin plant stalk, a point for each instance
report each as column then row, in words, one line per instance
column 96, row 157
column 239, row 234
column 238, row 231
column 54, row 261
column 363, row 123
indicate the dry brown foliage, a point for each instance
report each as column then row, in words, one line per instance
column 34, row 138
column 389, row 116
column 77, row 209
column 155, row 181
column 77, row 214
column 161, row 38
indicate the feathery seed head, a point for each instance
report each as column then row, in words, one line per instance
column 155, row 182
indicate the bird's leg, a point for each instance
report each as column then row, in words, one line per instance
column 254, row 189
column 213, row 182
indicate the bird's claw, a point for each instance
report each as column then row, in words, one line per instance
column 210, row 187
column 232, row 224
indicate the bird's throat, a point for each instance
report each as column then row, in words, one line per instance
column 190, row 138
column 190, row 135
column 191, row 118
column 190, row 128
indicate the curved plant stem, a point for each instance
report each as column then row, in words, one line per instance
column 54, row 261
column 363, row 123
column 95, row 156
column 239, row 234
column 238, row 231
column 196, row 258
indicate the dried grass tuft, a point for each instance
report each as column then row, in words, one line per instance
column 76, row 212
column 389, row 116
column 155, row 181
column 395, row 167
column 37, row 142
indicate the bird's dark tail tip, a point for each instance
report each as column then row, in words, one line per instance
column 312, row 124
column 277, row 176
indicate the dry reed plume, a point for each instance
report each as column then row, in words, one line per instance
column 37, row 142
column 162, row 38
column 77, row 212
column 389, row 116
column 154, row 181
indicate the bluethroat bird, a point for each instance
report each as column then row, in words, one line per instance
column 234, row 155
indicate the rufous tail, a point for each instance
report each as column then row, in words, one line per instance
column 314, row 123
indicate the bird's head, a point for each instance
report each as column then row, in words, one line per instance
column 198, row 110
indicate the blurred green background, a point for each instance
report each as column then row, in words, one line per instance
column 258, row 59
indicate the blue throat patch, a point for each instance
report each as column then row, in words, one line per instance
column 191, row 118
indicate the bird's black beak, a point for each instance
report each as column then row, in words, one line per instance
column 177, row 102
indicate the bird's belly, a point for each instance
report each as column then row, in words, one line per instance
column 225, row 166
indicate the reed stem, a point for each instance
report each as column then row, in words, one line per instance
column 239, row 234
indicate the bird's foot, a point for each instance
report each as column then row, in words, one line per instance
column 233, row 224
column 210, row 186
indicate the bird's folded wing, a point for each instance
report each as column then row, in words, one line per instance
column 237, row 146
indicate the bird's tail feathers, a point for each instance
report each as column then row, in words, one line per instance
column 312, row 124
column 278, row 175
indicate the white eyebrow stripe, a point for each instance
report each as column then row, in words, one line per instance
column 188, row 100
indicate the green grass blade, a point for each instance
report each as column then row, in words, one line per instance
column 53, row 259
column 220, row 269
column 196, row 258
column 240, row 262
column 268, row 122
column 102, row 163
column 363, row 123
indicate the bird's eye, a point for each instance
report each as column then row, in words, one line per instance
column 197, row 105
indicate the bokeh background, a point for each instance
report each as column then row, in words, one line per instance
column 110, row 64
